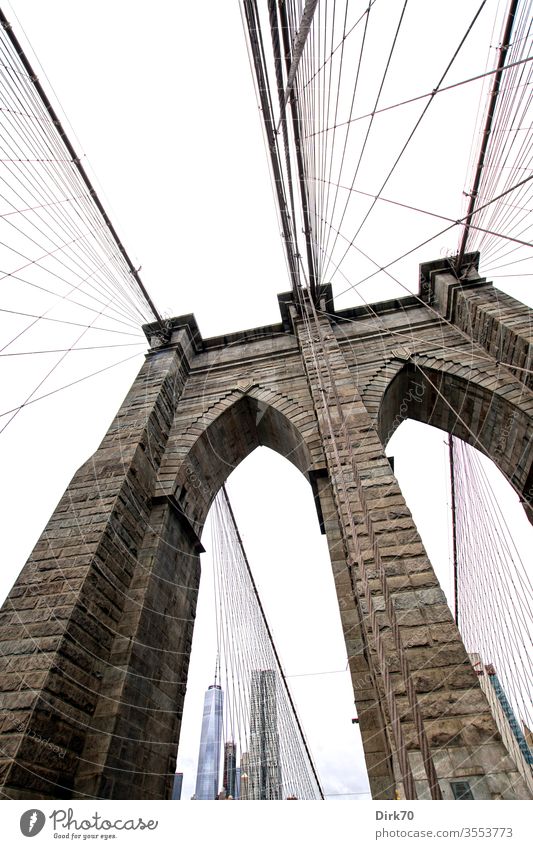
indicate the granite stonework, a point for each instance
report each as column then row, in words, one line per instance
column 95, row 636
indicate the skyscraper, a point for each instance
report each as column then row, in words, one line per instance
column 244, row 778
column 178, row 784
column 230, row 769
column 264, row 760
column 207, row 776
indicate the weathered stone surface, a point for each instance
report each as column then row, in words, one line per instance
column 96, row 634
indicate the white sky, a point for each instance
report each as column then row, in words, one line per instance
column 163, row 108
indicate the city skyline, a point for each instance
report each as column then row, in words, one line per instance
column 248, row 775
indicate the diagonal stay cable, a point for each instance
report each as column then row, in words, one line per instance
column 488, row 127
column 430, row 239
column 426, row 212
column 68, row 385
column 345, row 35
column 75, row 158
column 368, row 129
column 64, row 321
column 348, row 126
column 432, row 93
column 417, row 124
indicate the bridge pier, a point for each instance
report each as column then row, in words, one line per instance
column 401, row 638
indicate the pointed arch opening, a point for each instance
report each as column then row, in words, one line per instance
column 493, row 415
column 246, row 424
column 292, row 569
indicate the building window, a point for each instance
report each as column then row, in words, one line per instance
column 461, row 790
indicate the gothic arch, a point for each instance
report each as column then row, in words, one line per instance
column 249, row 419
column 479, row 404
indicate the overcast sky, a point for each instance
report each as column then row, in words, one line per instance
column 164, row 113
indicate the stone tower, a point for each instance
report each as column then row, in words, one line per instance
column 96, row 633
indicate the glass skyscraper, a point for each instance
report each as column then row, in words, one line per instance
column 207, row 777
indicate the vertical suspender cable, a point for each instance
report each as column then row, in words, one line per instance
column 254, row 35
column 309, row 243
column 487, row 130
column 454, row 533
column 263, row 616
column 75, row 158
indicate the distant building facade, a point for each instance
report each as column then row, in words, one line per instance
column 230, row 770
column 178, row 784
column 207, row 777
column 244, row 777
column 511, row 732
column 264, row 769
